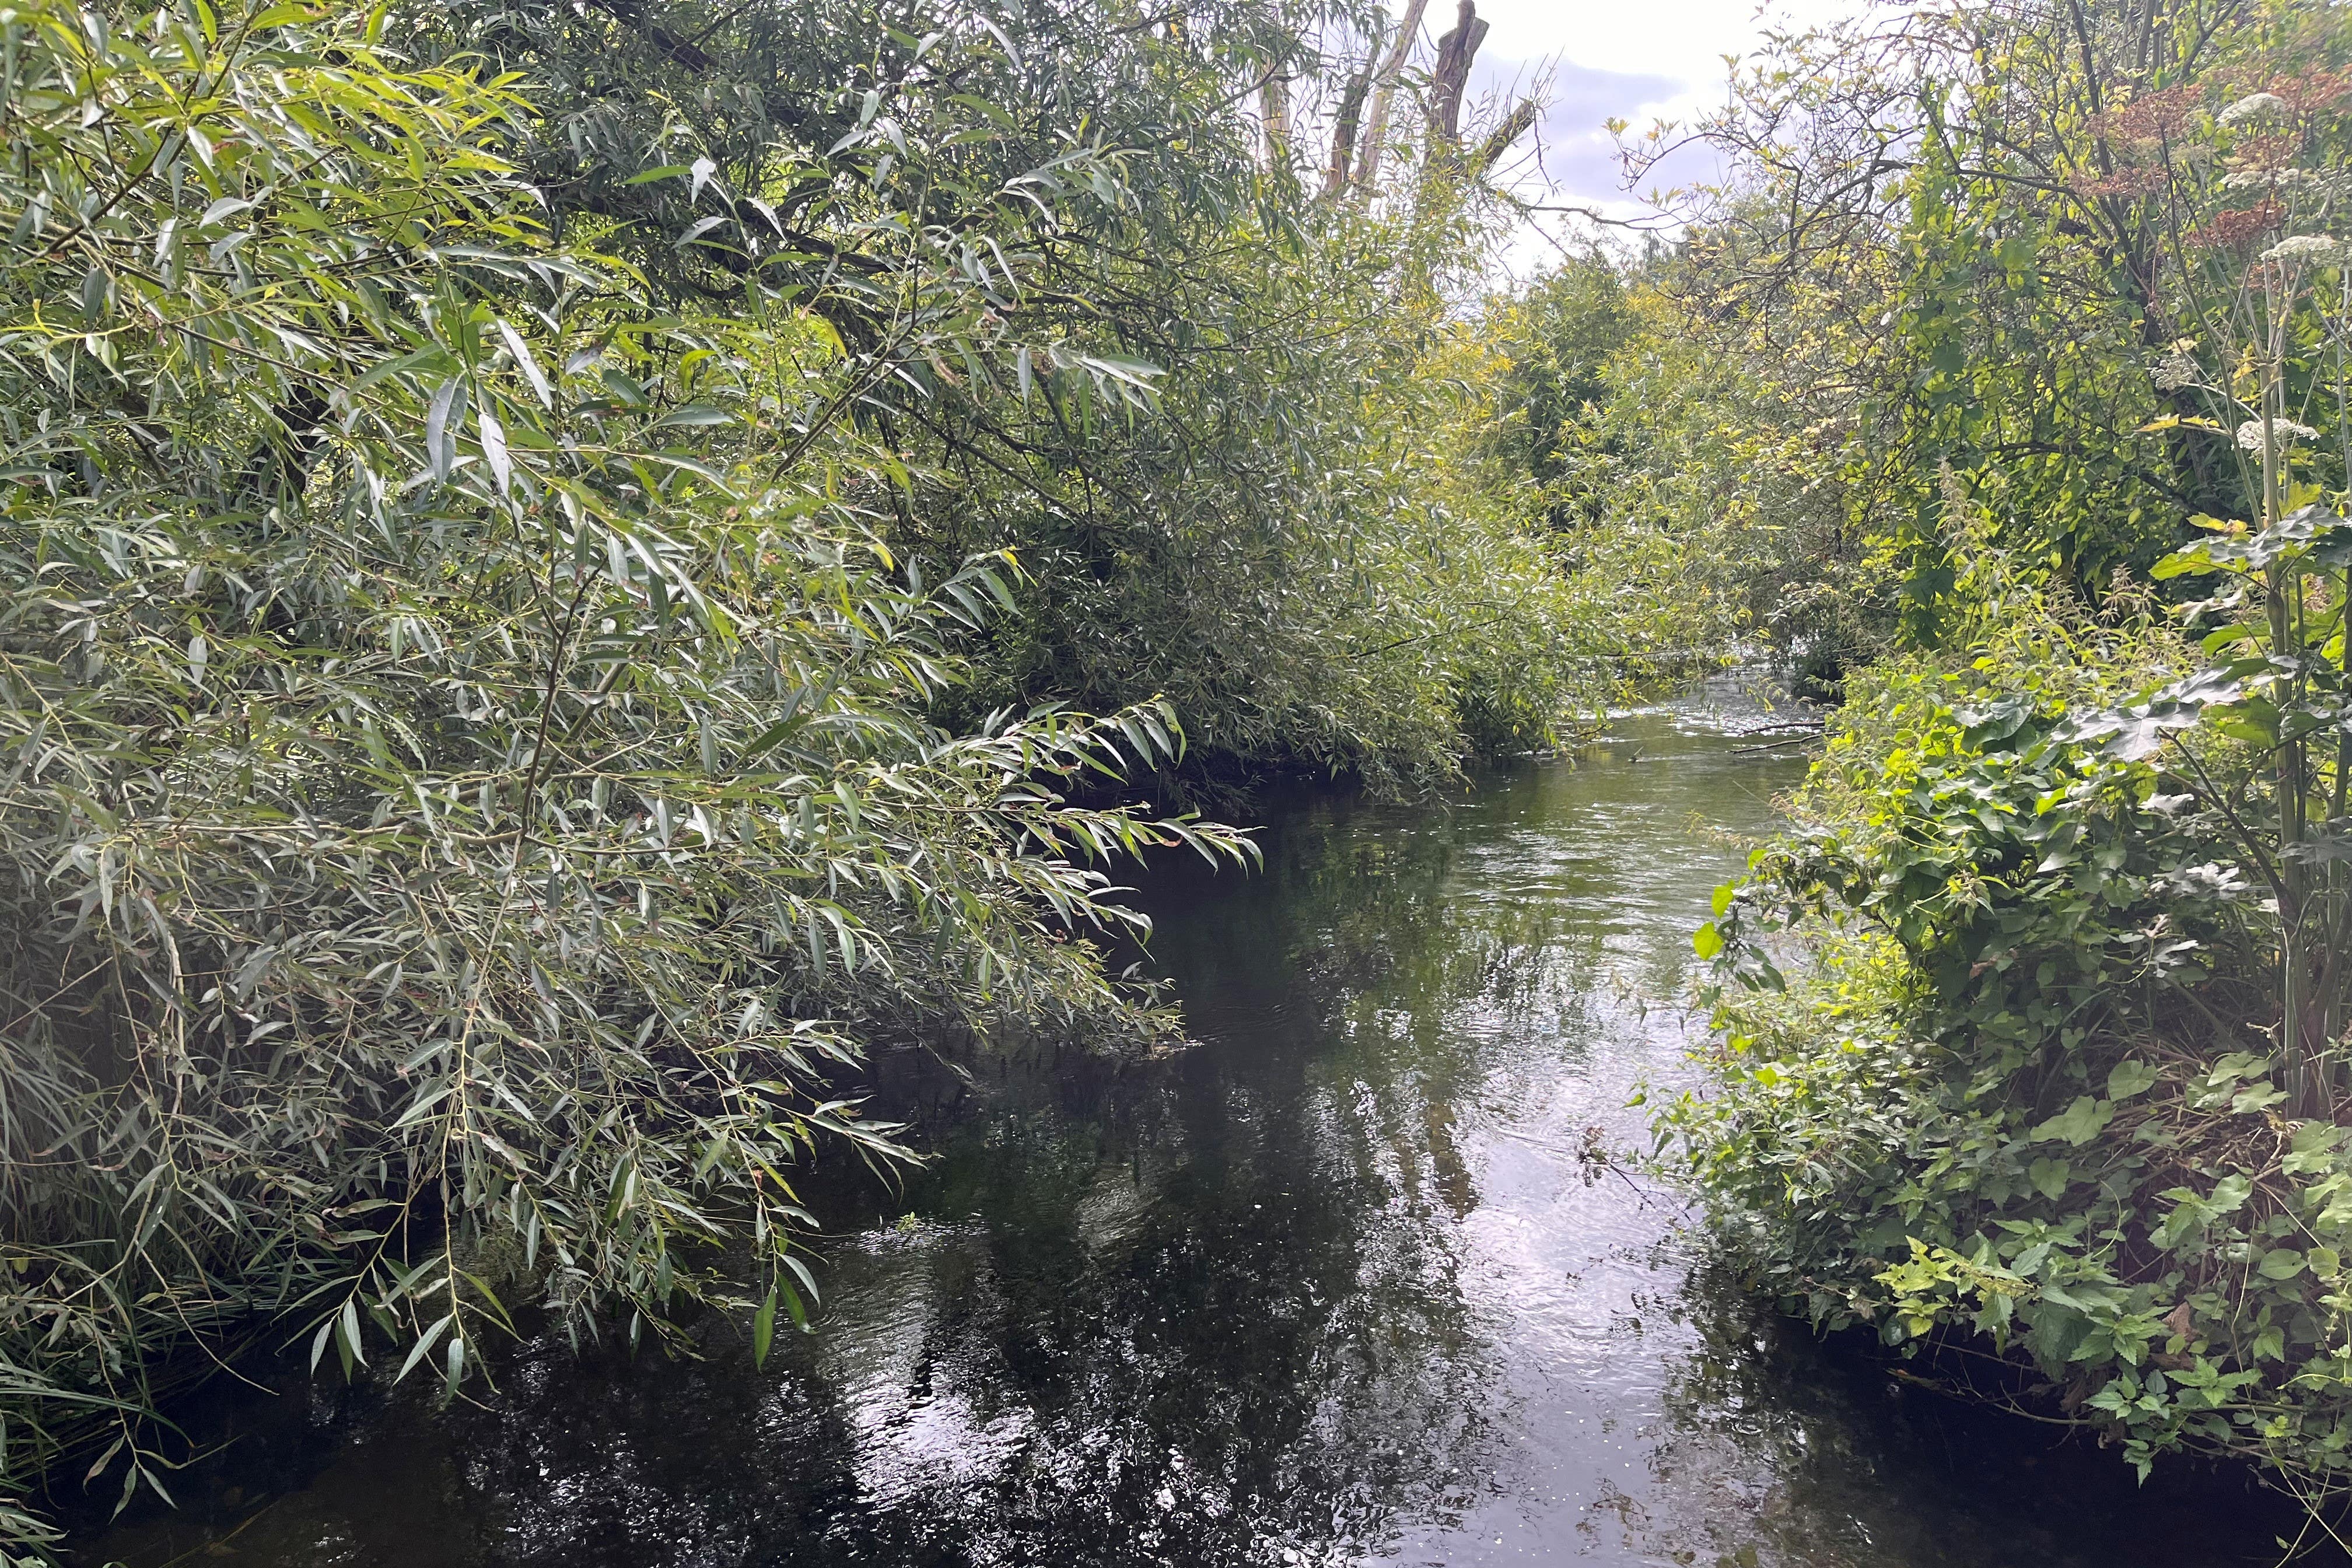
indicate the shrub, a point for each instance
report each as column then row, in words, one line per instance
column 466, row 779
column 2007, row 1089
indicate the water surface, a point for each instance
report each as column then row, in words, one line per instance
column 1361, row 1278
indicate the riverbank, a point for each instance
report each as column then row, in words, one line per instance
column 1338, row 1282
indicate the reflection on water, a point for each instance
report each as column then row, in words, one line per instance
column 1347, row 1282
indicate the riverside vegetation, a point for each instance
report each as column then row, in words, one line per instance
column 2033, row 1027
column 571, row 571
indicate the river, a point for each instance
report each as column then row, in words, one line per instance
column 1361, row 1277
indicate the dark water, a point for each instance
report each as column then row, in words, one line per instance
column 1344, row 1283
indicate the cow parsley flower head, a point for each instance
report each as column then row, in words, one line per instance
column 2306, row 250
column 2318, row 183
column 2250, row 434
column 2250, row 106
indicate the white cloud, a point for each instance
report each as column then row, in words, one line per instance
column 1637, row 60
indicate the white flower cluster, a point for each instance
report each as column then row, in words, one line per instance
column 2175, row 371
column 2250, row 106
column 2306, row 250
column 2250, row 434
column 2319, row 182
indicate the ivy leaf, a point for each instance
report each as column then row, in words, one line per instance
column 2131, row 1077
column 1996, row 721
column 2314, row 1149
column 2256, row 1098
column 2050, row 1176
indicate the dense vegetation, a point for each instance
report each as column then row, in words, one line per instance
column 569, row 571
column 2021, row 338
column 559, row 563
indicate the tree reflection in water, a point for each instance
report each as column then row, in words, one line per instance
column 1336, row 1284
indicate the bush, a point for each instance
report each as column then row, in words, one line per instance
column 2018, row 1103
column 466, row 777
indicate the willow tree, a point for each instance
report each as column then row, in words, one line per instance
column 1239, row 550
column 468, row 779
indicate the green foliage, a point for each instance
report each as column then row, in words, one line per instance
column 469, row 773
column 2007, row 381
column 558, row 562
column 2028, row 1083
column 1991, row 255
column 2010, row 326
column 1561, row 336
column 1259, row 548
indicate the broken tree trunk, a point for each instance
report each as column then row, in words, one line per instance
column 1514, row 126
column 1456, row 51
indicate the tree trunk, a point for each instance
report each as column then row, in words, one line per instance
column 1456, row 51
column 1343, row 133
column 1273, row 104
column 1384, row 95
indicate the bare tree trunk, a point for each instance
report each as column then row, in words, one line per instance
column 1343, row 133
column 1384, row 94
column 1454, row 53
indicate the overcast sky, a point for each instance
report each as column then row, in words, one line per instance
column 1633, row 59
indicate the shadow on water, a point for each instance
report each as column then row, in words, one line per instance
column 1342, row 1283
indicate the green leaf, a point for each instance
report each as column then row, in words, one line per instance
column 528, row 364
column 424, row 1345
column 440, row 427
column 763, row 1327
column 494, row 449
column 2078, row 1124
column 695, row 416
column 2049, row 1177
column 2280, row 1263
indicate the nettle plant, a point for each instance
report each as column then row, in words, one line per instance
column 2029, row 1085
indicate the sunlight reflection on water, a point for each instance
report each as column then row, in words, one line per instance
column 1344, row 1283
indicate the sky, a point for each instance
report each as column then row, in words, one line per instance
column 1638, row 60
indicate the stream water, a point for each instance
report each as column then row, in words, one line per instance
column 1350, row 1280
